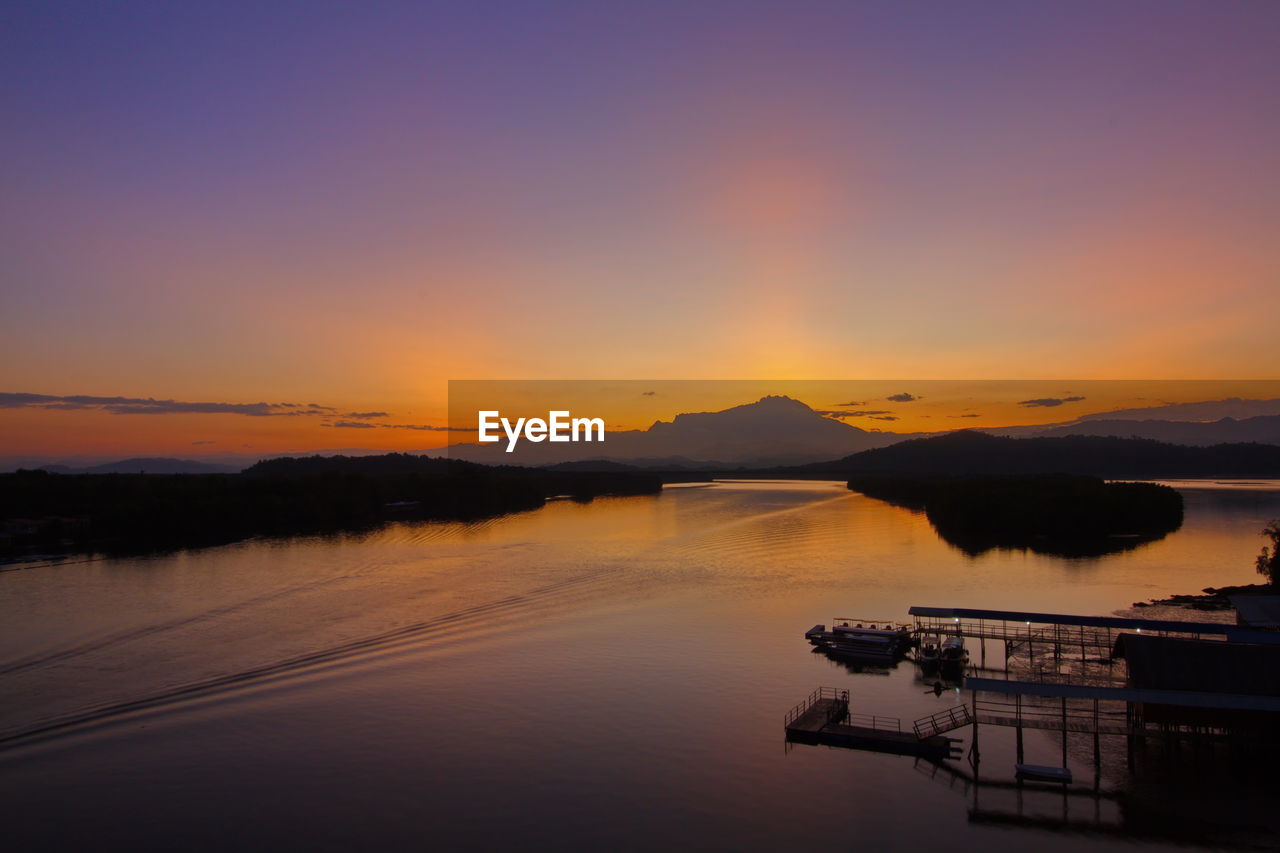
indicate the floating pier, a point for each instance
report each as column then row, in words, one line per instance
column 1194, row 682
column 824, row 718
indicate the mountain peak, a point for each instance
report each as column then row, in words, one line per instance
column 776, row 410
column 779, row 401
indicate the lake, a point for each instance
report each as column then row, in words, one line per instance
column 603, row 675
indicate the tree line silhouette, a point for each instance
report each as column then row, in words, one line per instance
column 122, row 513
column 1064, row 514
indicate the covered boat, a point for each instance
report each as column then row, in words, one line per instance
column 861, row 638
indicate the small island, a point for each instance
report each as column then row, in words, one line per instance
column 1064, row 514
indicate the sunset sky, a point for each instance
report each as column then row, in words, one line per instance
column 342, row 206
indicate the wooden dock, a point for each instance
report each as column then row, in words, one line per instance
column 824, row 718
column 1230, row 699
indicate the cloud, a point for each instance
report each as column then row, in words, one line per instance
column 1048, row 402
column 967, row 415
column 877, row 414
column 152, row 406
column 648, row 393
column 350, row 425
column 853, row 403
column 885, row 418
column 904, row 397
column 426, row 427
column 197, row 443
column 364, row 416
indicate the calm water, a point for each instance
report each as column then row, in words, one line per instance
column 584, row 676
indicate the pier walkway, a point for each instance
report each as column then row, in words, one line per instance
column 824, row 718
column 1094, row 635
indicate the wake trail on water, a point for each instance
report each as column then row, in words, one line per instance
column 100, row 643
column 416, row 633
column 742, row 530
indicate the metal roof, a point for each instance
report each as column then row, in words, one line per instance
column 1257, row 611
column 1168, row 663
column 1067, row 619
column 1184, row 698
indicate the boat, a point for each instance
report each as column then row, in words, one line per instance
column 1041, row 773
column 952, row 655
column 929, row 655
column 873, row 639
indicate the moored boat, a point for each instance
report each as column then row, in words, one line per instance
column 929, row 654
column 952, row 655
column 1041, row 773
column 861, row 638
column 952, row 650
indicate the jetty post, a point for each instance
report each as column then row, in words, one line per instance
column 973, row 750
column 1097, row 744
column 1064, row 731
column 1017, row 704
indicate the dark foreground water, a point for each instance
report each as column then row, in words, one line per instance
column 611, row 675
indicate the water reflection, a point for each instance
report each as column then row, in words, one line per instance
column 1080, row 547
column 602, row 675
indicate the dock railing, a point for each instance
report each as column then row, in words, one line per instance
column 839, row 707
column 874, row 721
column 1071, row 715
column 1016, row 632
column 838, row 711
column 1072, row 632
column 943, row 721
column 874, row 624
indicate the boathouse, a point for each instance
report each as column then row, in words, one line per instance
column 1229, row 688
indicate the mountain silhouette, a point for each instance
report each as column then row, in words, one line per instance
column 973, row 452
column 1202, row 411
column 1264, row 429
column 772, row 431
column 146, row 465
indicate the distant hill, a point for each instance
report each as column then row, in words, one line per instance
column 145, row 465
column 772, row 431
column 669, row 463
column 1264, row 429
column 386, row 463
column 1203, row 411
column 970, row 452
column 592, row 465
